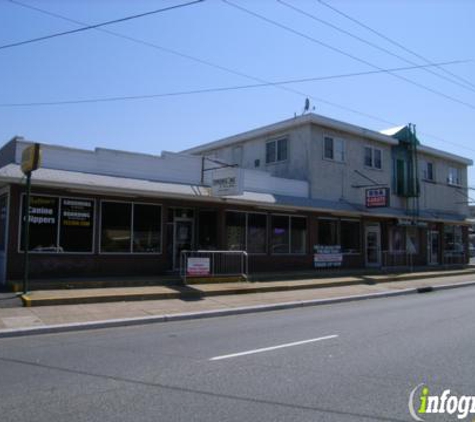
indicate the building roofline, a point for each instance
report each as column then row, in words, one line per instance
column 313, row 118
column 289, row 123
column 443, row 154
column 105, row 186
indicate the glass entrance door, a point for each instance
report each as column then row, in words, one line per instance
column 373, row 245
column 433, row 247
column 182, row 238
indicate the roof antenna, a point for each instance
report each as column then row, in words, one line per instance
column 306, row 107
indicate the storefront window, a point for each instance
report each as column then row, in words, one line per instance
column 246, row 231
column 116, row 230
column 397, row 239
column 207, row 230
column 256, row 233
column 453, row 239
column 289, row 234
column 59, row 224
column 298, row 235
column 412, row 240
column 327, row 232
column 350, row 236
column 279, row 234
column 76, row 225
column 3, row 221
column 147, row 228
column 119, row 234
column 235, row 231
column 43, row 224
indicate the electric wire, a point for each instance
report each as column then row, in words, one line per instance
column 376, row 46
column 342, row 52
column 228, row 70
column 213, row 65
column 392, row 41
column 98, row 25
column 215, row 89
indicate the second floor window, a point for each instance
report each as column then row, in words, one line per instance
column 276, row 150
column 373, row 158
column 454, row 176
column 428, row 171
column 334, row 149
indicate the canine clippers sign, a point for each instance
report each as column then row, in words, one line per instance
column 377, row 198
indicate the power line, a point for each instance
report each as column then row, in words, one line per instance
column 376, row 46
column 211, row 64
column 217, row 89
column 99, row 25
column 342, row 52
column 381, row 35
column 229, row 70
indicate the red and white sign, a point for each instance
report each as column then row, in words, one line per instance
column 197, row 267
column 377, row 198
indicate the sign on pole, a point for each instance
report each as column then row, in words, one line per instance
column 227, row 181
column 31, row 158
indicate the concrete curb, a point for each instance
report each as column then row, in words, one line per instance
column 125, row 322
column 249, row 288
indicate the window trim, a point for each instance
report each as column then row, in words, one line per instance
column 161, row 228
column 276, row 153
column 373, row 161
column 391, row 239
column 425, row 172
column 337, row 220
column 351, row 220
column 334, row 138
column 290, row 235
column 58, row 229
column 458, row 182
column 451, row 229
column 360, row 242
column 131, row 252
column 246, row 229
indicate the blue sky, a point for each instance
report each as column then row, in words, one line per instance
column 94, row 64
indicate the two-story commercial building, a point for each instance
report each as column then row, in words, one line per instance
column 384, row 198
column 308, row 192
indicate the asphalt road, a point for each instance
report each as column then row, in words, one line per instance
column 348, row 362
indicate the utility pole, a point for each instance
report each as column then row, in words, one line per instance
column 26, row 233
column 30, row 161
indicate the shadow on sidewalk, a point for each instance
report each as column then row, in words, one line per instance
column 187, row 293
column 10, row 300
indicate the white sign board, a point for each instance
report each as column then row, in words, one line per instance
column 227, row 181
column 327, row 256
column 197, row 267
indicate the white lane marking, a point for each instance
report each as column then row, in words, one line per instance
column 267, row 349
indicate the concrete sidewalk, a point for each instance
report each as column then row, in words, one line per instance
column 200, row 291
column 17, row 320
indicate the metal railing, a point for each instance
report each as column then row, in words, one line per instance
column 213, row 264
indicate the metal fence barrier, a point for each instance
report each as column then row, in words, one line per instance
column 213, row 264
